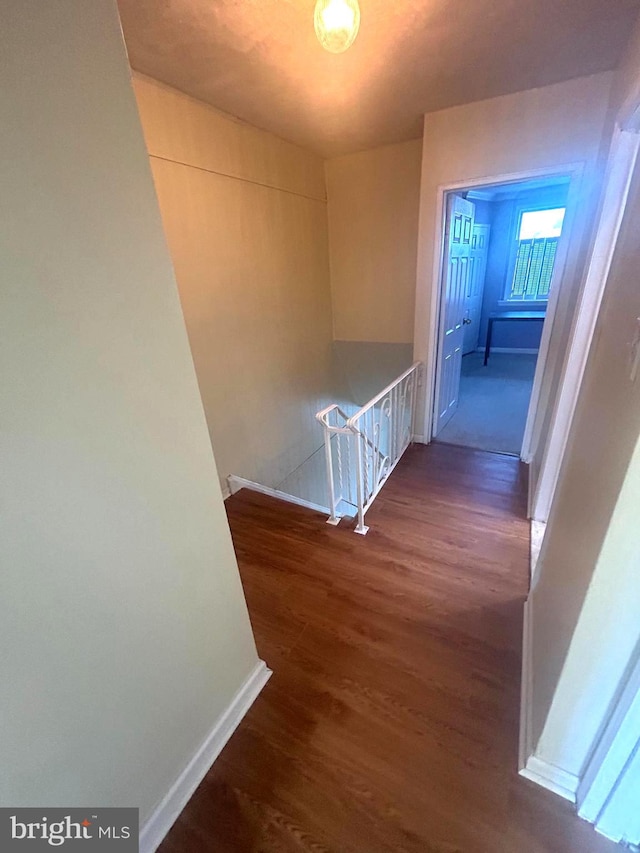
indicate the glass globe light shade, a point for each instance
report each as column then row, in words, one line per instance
column 336, row 23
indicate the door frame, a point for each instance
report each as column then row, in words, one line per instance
column 574, row 172
column 623, row 154
column 617, row 743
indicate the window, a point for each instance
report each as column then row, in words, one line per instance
column 538, row 235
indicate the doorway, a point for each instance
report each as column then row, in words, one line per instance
column 500, row 246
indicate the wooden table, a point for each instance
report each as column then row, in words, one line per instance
column 509, row 315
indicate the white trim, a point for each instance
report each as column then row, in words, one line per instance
column 430, row 330
column 551, row 777
column 620, row 167
column 511, row 350
column 523, row 305
column 538, row 529
column 525, row 747
column 618, row 741
column 629, row 113
column 237, row 483
column 529, row 765
column 433, row 295
column 168, row 810
column 418, row 439
column 529, row 489
column 572, row 207
column 226, row 492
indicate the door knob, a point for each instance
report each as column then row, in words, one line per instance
column 467, row 321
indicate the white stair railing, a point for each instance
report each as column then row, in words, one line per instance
column 340, row 460
column 362, row 450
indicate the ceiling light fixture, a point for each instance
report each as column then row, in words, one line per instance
column 336, row 23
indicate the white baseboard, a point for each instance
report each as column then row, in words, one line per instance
column 538, row 529
column 418, row 439
column 226, row 492
column 552, row 778
column 168, row 810
column 530, row 487
column 525, row 746
column 529, row 765
column 512, row 350
column 237, row 483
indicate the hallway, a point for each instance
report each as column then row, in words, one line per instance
column 391, row 721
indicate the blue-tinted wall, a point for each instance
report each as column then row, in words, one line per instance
column 502, row 215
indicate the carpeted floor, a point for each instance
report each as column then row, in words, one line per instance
column 493, row 403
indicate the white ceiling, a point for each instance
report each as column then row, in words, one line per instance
column 260, row 61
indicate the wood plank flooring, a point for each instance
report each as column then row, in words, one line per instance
column 390, row 724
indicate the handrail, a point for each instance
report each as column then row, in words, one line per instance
column 377, row 435
column 323, row 415
column 383, row 393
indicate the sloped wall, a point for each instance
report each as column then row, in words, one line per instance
column 123, row 625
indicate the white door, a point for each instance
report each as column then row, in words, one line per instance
column 475, row 287
column 459, row 228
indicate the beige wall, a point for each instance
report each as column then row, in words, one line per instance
column 246, row 221
column 373, row 230
column 540, row 129
column 123, row 624
column 586, row 601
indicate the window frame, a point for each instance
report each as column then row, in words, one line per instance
column 519, row 209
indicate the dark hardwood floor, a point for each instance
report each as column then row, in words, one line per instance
column 391, row 720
